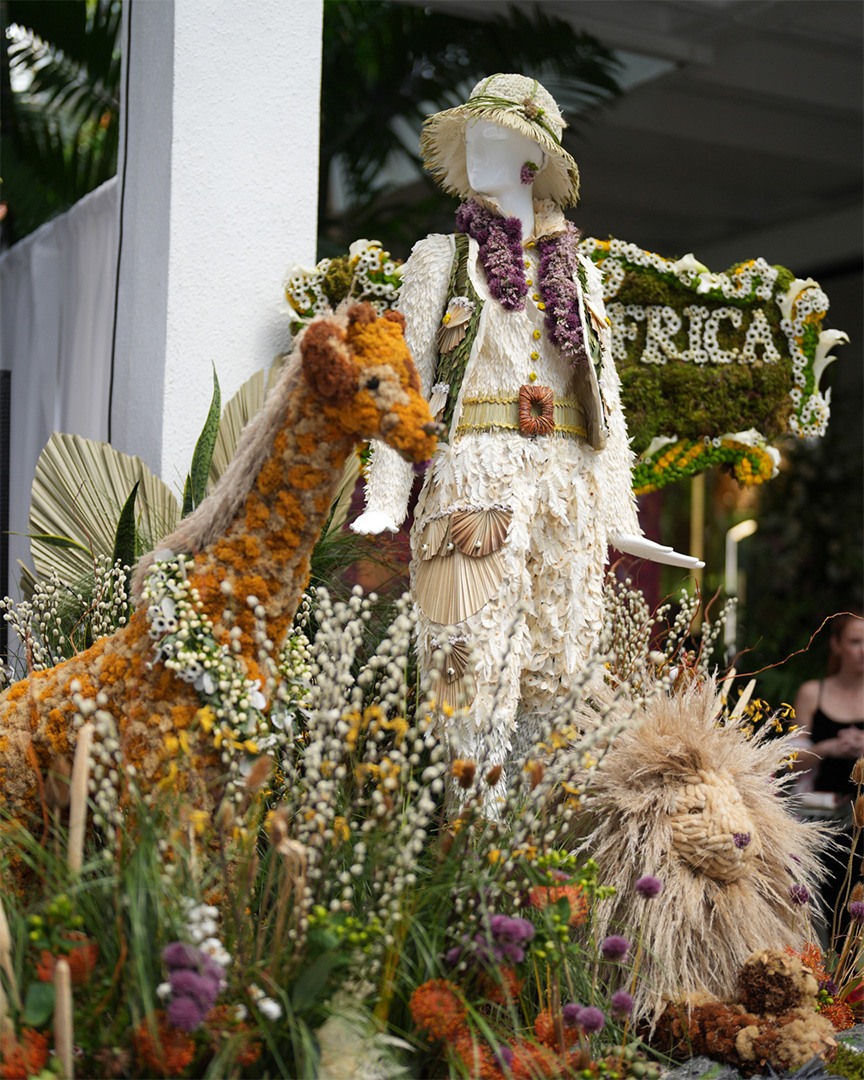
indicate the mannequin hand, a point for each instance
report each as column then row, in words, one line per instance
column 641, row 546
column 374, row 521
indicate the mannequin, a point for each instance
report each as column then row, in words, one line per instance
column 520, row 504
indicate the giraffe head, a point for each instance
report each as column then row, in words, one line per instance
column 361, row 370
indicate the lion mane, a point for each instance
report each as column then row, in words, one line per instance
column 703, row 807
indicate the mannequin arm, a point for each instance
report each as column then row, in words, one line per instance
column 644, row 548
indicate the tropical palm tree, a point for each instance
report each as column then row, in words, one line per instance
column 59, row 92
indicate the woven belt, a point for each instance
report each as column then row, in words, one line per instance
column 502, row 414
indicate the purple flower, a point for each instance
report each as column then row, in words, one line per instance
column 178, row 955
column 856, row 911
column 504, row 1057
column 649, row 886
column 559, row 289
column 742, row 839
column 829, row 986
column 185, row 1014
column 500, row 241
column 799, row 894
column 570, row 1014
column 186, row 983
column 622, row 1004
column 528, row 172
column 591, row 1019
column 454, row 955
column 614, row 947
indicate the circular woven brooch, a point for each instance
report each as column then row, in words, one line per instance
column 536, row 410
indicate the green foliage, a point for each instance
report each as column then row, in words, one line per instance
column 60, row 133
column 195, row 488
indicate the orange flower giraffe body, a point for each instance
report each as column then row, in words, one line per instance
column 249, row 546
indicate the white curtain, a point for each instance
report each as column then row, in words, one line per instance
column 56, row 330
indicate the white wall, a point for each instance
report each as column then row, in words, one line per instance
column 218, row 198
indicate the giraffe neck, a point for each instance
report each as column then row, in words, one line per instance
column 265, row 551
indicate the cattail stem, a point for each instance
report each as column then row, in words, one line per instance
column 63, row 1017
column 78, row 798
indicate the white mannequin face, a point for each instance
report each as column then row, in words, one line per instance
column 495, row 155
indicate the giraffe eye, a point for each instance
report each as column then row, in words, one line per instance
column 373, row 383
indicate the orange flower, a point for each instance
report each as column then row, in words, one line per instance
column 82, row 959
column 220, row 1025
column 477, row 1057
column 544, row 1029
column 840, row 1015
column 501, row 986
column 542, row 896
column 436, row 1009
column 530, row 1062
column 169, row 1054
column 25, row 1057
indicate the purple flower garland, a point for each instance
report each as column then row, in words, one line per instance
column 500, row 241
column 557, row 276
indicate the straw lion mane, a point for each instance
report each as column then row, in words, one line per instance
column 698, row 805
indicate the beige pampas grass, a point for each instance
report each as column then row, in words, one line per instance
column 63, row 1017
column 78, row 798
column 698, row 805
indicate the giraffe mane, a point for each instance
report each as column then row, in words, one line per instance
column 213, row 516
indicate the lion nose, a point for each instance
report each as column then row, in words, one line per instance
column 742, row 839
column 433, row 428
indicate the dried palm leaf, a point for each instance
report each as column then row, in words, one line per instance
column 479, row 532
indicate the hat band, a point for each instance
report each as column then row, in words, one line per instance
column 482, row 102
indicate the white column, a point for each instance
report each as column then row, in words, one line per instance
column 218, row 197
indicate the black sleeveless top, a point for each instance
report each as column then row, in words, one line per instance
column 833, row 773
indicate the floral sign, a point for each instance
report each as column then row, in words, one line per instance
column 713, row 366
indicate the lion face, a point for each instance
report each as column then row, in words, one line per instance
column 712, row 830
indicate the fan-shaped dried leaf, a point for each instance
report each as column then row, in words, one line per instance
column 79, row 491
column 452, row 589
column 479, row 532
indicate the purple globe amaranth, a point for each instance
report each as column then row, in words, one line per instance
column 570, row 1014
column 200, row 988
column 186, row 1014
column 622, row 1004
column 856, row 911
column 591, row 1020
column 614, row 947
column 799, row 894
column 649, row 886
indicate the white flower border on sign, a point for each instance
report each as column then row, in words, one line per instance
column 802, row 302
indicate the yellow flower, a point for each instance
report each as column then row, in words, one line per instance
column 341, row 830
column 199, row 820
column 494, row 855
column 206, row 718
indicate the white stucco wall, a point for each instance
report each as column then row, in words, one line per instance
column 219, row 194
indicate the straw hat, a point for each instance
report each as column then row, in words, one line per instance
column 515, row 102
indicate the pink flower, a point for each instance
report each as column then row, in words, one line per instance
column 649, row 886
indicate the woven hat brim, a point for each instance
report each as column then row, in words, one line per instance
column 442, row 148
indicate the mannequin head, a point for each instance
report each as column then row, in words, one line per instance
column 523, row 108
column 494, row 156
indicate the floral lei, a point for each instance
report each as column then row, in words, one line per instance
column 500, row 241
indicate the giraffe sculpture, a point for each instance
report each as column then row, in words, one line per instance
column 349, row 379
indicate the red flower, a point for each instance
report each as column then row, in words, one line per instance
column 82, row 959
column 542, row 896
column 25, row 1057
column 169, row 1053
column 437, row 1009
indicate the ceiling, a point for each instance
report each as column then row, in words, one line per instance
column 740, row 133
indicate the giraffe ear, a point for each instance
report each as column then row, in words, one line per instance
column 327, row 362
column 395, row 316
